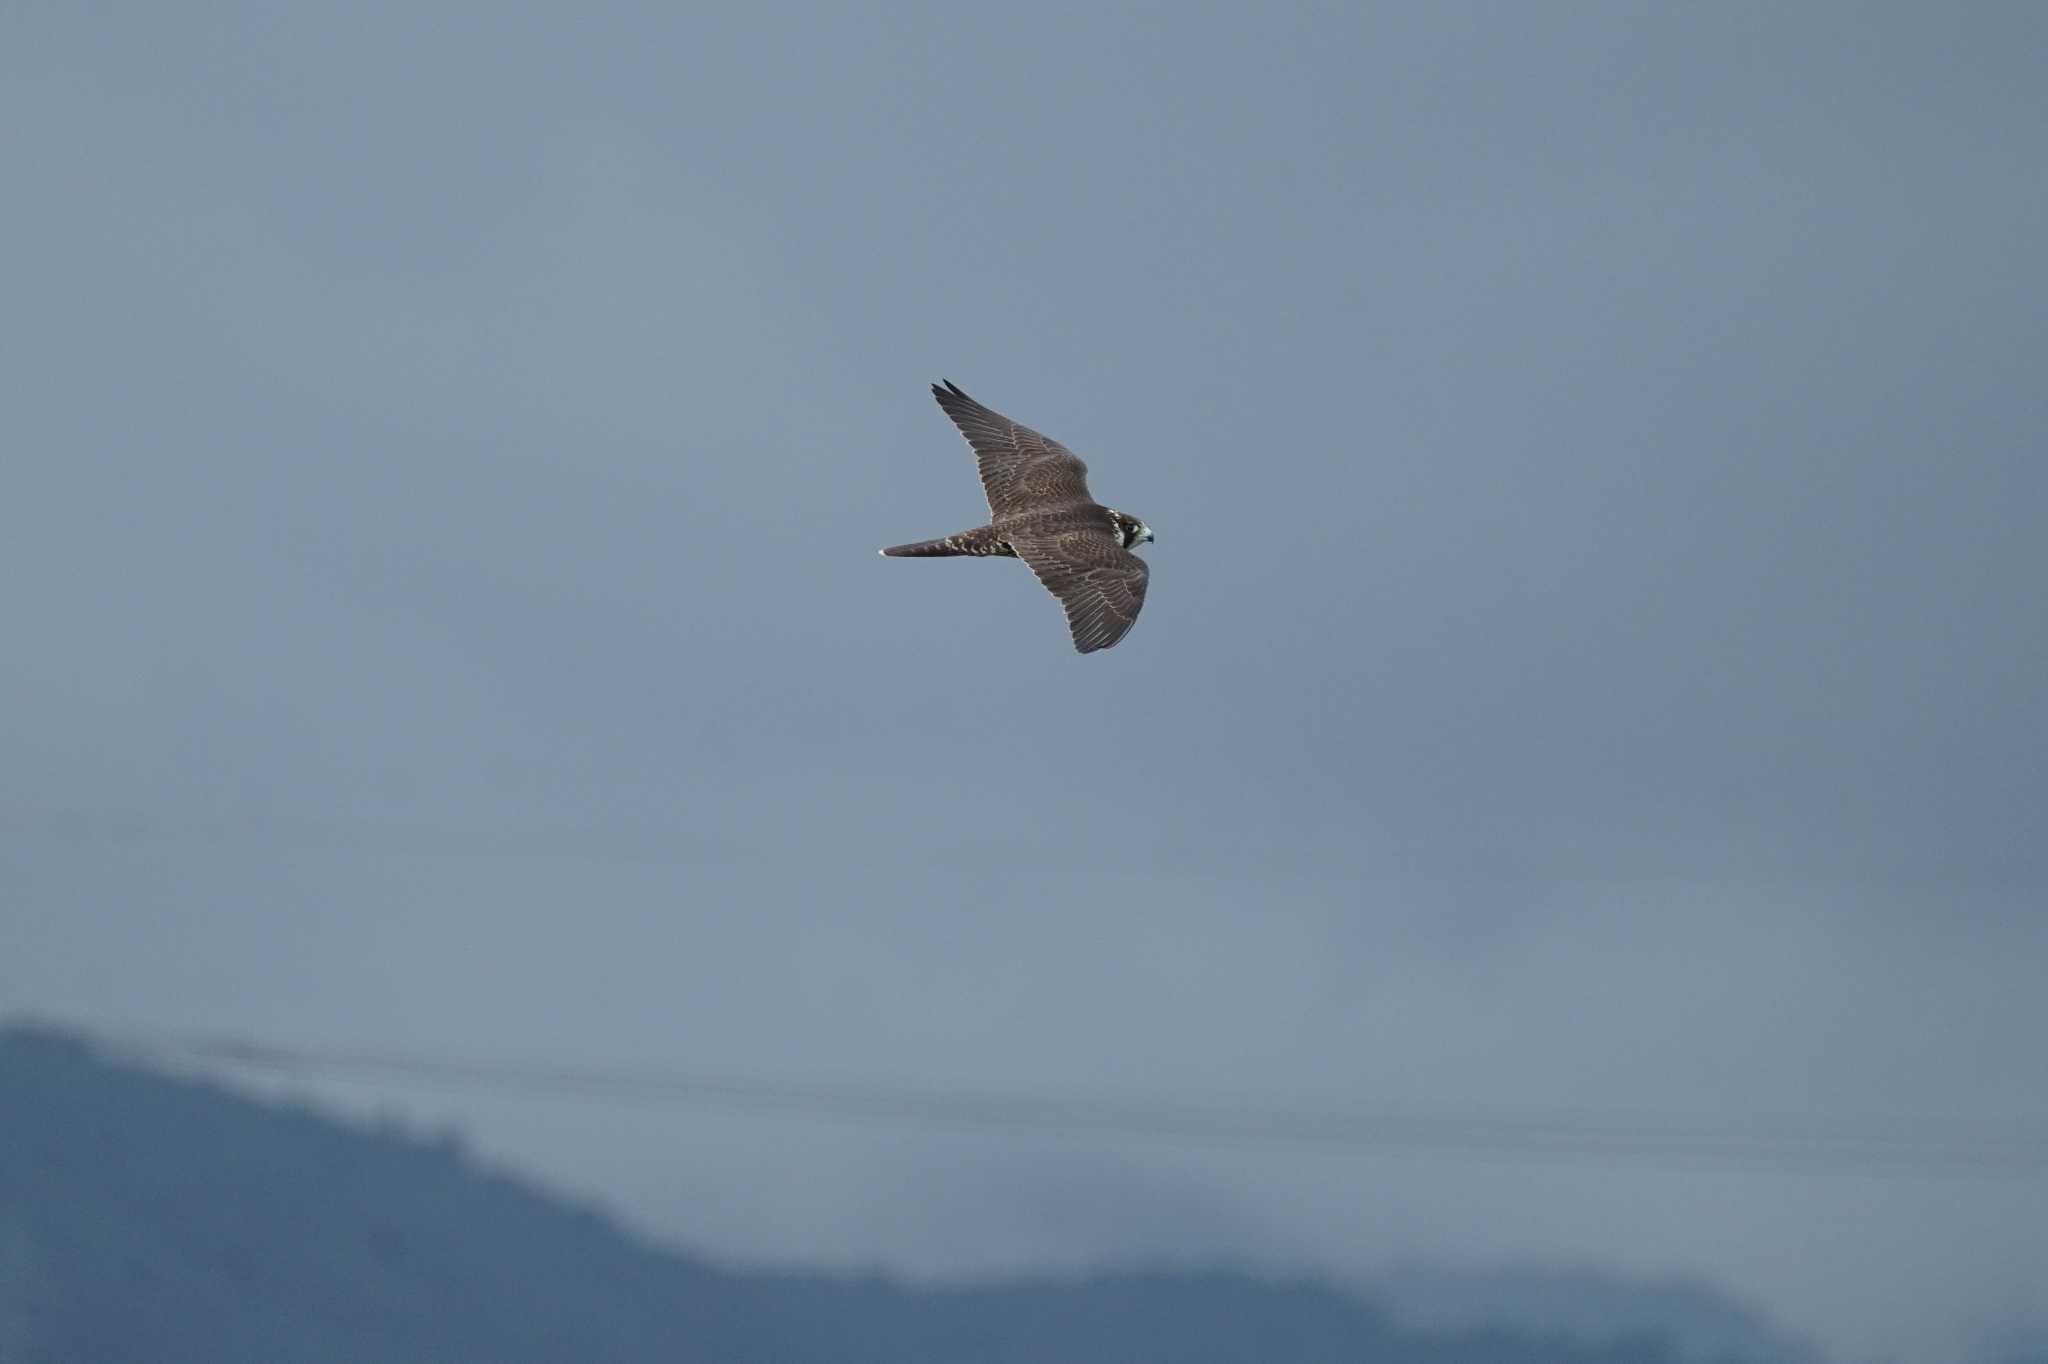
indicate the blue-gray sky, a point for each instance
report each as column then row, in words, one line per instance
column 1594, row 662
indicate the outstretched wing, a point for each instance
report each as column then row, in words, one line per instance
column 1021, row 471
column 1101, row 583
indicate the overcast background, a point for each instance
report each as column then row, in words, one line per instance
column 1594, row 663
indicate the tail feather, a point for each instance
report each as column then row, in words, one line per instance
column 980, row 540
column 922, row 549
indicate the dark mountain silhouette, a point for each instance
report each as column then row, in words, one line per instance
column 145, row 1216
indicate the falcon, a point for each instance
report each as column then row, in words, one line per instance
column 1040, row 511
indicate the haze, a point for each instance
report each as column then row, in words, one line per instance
column 1593, row 665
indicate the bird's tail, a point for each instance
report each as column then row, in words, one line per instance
column 980, row 540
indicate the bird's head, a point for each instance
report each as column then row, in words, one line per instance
column 1130, row 531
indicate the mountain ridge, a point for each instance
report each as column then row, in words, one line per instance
column 152, row 1215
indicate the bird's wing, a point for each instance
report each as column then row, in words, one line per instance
column 1101, row 584
column 1021, row 471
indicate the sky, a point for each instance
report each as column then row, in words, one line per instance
column 1593, row 663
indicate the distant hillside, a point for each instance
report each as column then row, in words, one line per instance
column 149, row 1217
column 1702, row 1321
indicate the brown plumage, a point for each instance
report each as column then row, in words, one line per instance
column 1041, row 512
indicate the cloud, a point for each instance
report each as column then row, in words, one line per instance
column 1591, row 664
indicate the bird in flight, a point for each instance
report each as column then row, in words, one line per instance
column 1040, row 511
